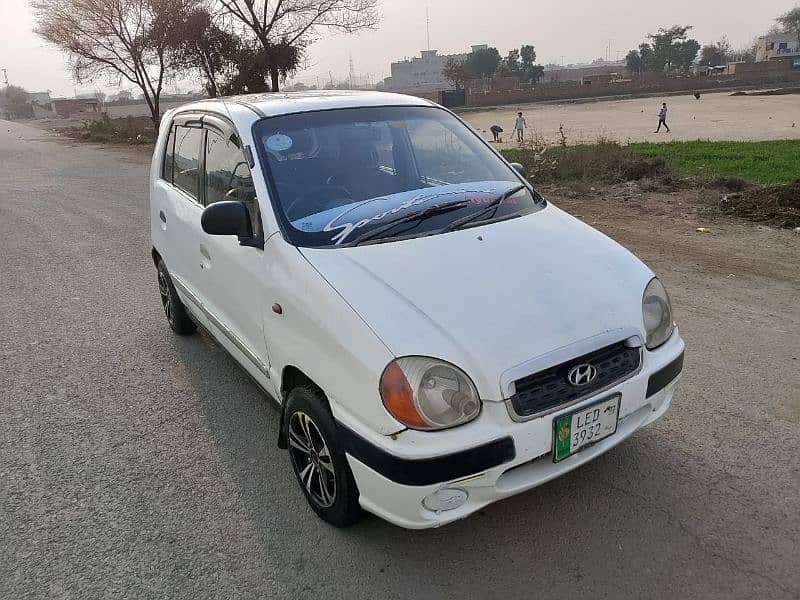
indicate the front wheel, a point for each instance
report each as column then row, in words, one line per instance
column 320, row 467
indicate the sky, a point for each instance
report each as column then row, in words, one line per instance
column 563, row 31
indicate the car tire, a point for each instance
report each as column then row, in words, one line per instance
column 319, row 464
column 176, row 314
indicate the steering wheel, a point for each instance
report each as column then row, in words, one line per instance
column 319, row 198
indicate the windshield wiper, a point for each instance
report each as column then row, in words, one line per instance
column 493, row 205
column 437, row 209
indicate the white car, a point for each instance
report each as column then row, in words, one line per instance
column 436, row 335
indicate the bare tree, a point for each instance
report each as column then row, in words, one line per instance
column 285, row 28
column 125, row 39
column 455, row 72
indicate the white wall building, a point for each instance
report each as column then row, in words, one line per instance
column 777, row 45
column 423, row 73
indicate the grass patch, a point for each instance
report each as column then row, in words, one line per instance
column 606, row 162
column 125, row 130
column 762, row 162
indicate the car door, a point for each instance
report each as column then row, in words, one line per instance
column 178, row 193
column 232, row 275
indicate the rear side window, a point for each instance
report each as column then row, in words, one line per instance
column 186, row 173
column 169, row 158
column 228, row 175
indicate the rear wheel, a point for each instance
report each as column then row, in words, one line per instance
column 176, row 314
column 320, row 466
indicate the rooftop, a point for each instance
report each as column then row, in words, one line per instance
column 281, row 103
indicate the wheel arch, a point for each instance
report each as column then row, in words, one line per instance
column 292, row 377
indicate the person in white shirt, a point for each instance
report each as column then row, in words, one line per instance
column 520, row 126
column 662, row 118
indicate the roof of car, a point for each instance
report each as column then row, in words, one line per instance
column 281, row 103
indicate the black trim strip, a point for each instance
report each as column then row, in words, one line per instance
column 426, row 471
column 661, row 379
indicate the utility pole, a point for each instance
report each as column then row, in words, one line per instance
column 428, row 25
column 5, row 76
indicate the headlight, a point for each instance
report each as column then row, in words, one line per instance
column 657, row 314
column 428, row 394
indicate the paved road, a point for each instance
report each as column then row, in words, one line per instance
column 135, row 464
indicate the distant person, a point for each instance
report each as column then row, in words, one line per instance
column 662, row 118
column 496, row 131
column 520, row 126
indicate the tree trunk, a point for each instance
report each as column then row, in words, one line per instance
column 275, row 85
column 155, row 115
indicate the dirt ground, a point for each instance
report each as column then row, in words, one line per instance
column 717, row 116
column 653, row 221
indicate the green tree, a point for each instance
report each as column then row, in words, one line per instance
column 672, row 49
column 14, row 102
column 648, row 57
column 790, row 22
column 712, row 56
column 482, row 63
column 250, row 72
column 200, row 44
column 530, row 70
column 510, row 65
column 634, row 63
column 528, row 55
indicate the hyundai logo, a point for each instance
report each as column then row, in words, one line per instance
column 581, row 375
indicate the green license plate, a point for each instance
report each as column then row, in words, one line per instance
column 577, row 430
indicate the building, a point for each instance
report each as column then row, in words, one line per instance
column 424, row 73
column 66, row 107
column 41, row 98
column 597, row 72
column 777, row 46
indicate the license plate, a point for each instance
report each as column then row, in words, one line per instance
column 574, row 431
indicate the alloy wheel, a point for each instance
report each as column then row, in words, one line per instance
column 312, row 459
column 166, row 295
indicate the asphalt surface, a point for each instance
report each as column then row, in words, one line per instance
column 136, row 464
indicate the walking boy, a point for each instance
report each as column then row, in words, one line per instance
column 520, row 126
column 662, row 118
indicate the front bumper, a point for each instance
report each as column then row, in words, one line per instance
column 502, row 458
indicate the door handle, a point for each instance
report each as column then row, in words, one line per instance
column 162, row 216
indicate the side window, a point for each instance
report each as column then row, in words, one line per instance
column 186, row 175
column 228, row 175
column 169, row 158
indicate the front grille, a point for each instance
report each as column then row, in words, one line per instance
column 550, row 388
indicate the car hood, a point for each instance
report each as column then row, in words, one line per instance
column 492, row 297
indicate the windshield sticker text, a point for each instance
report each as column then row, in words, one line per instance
column 346, row 229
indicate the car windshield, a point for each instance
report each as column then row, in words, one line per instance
column 367, row 175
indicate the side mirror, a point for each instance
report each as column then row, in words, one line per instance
column 518, row 168
column 227, row 218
